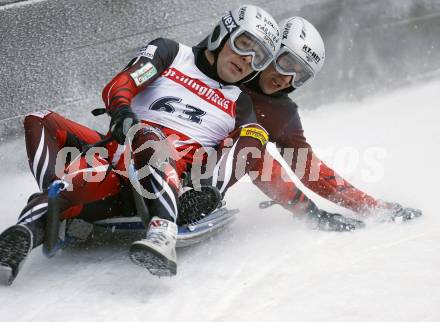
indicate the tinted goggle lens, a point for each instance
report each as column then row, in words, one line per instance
column 287, row 63
column 247, row 44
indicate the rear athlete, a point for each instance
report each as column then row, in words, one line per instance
column 299, row 59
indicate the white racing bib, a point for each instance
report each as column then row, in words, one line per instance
column 188, row 101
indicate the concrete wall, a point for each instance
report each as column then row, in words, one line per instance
column 59, row 54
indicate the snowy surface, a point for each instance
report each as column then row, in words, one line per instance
column 267, row 266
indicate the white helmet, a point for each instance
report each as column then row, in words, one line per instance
column 252, row 31
column 302, row 51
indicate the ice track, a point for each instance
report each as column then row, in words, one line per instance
column 267, row 266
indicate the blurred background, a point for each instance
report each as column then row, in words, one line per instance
column 59, row 54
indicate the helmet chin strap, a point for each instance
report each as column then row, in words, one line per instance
column 250, row 77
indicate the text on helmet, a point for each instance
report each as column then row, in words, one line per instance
column 270, row 23
column 229, row 22
column 311, row 55
column 269, row 36
column 241, row 13
column 286, row 30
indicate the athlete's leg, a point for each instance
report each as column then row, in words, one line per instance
column 159, row 185
column 47, row 132
column 86, row 183
column 274, row 181
column 153, row 158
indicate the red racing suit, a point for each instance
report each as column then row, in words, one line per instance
column 278, row 114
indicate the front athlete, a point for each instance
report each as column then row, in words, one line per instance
column 178, row 99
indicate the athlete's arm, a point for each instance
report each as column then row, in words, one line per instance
column 244, row 113
column 143, row 70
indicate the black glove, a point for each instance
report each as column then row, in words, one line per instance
column 396, row 212
column 122, row 120
column 323, row 220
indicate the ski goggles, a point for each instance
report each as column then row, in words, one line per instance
column 245, row 44
column 288, row 63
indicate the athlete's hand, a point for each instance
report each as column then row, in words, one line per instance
column 122, row 120
column 324, row 220
column 396, row 212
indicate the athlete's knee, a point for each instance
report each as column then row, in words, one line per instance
column 145, row 134
column 37, row 119
column 42, row 124
column 150, row 146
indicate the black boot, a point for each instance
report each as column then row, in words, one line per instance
column 194, row 204
column 15, row 244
